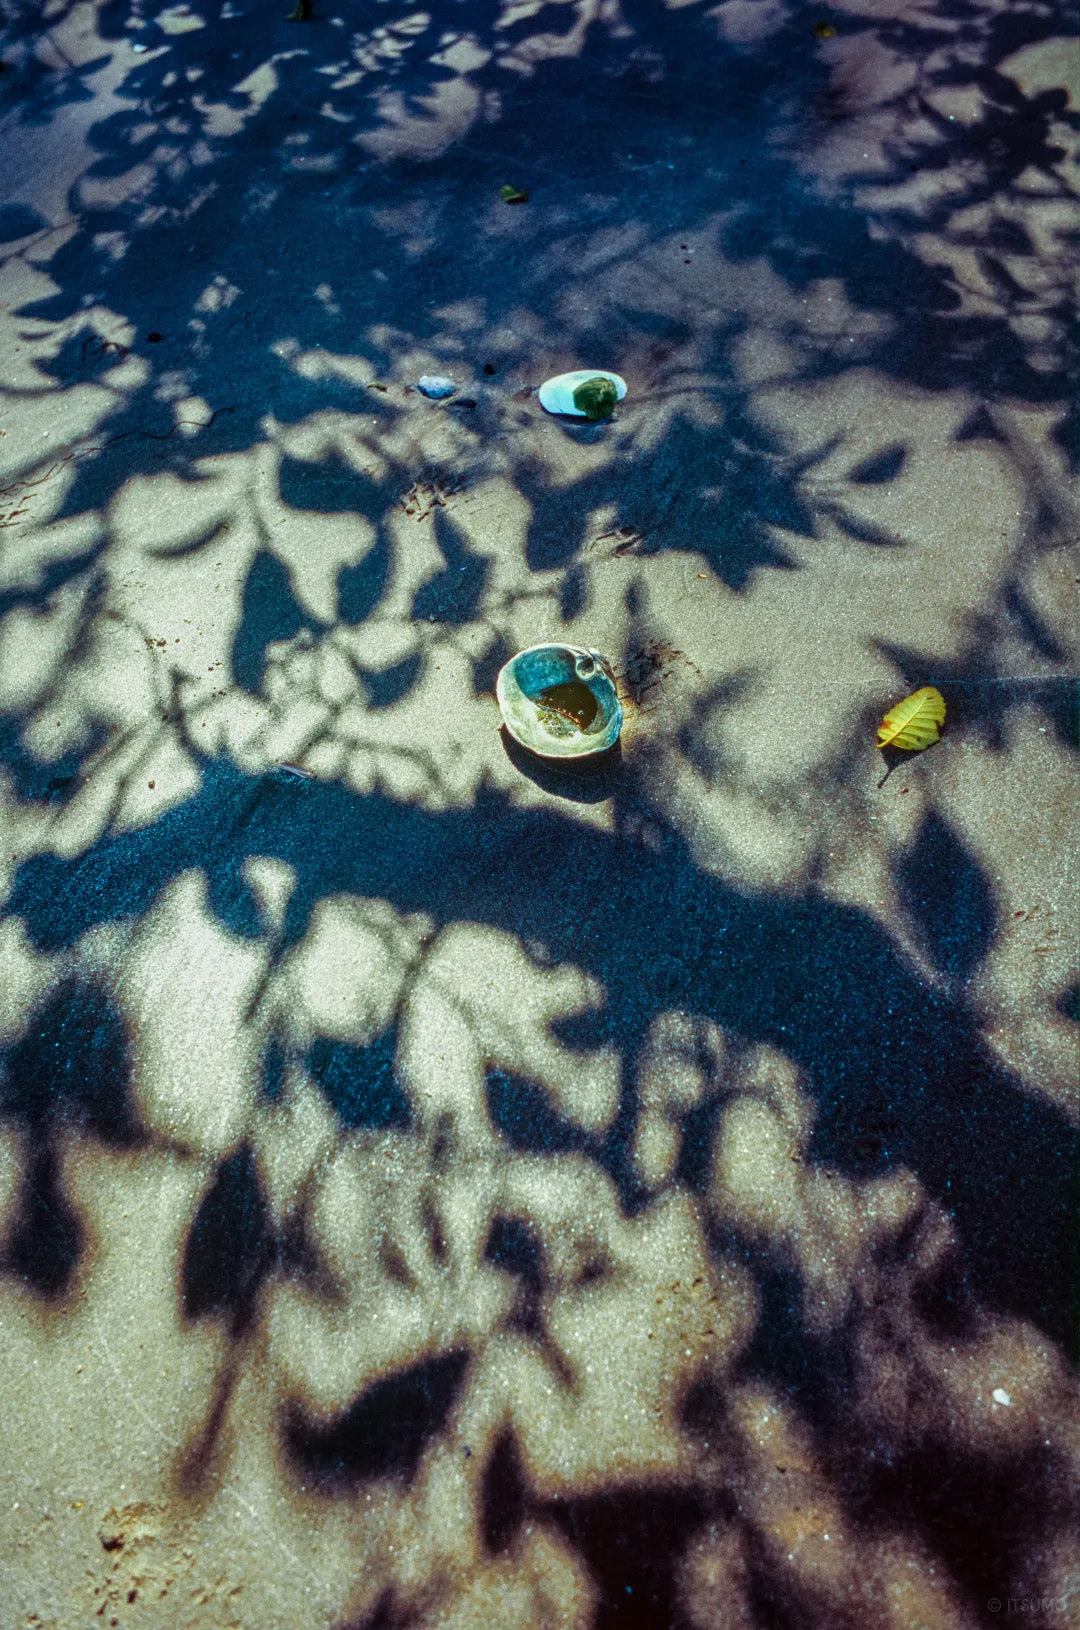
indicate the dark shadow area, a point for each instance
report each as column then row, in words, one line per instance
column 879, row 468
column 631, row 1541
column 698, row 1140
column 52, row 576
column 362, row 586
column 360, row 1083
column 387, row 1614
column 385, row 686
column 200, row 1457
column 270, row 612
column 947, row 898
column 486, row 666
column 19, row 221
column 456, row 594
column 513, row 1248
column 698, row 737
column 71, row 1068
column 384, row 1434
column 782, row 1351
column 230, row 1247
column 503, row 1500
column 573, row 593
column 299, row 1257
column 944, row 1302
column 68, row 1073
column 978, row 1511
column 522, row 1113
column 1069, row 1003
column 329, row 488
column 275, row 1064
column 1031, row 625
column 35, row 783
column 589, row 781
column 45, row 1241
column 38, row 83
column 83, row 358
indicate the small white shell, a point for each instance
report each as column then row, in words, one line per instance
column 557, row 395
column 436, row 386
column 530, row 672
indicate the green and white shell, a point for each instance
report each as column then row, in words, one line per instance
column 587, row 393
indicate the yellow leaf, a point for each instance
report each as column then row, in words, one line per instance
column 915, row 722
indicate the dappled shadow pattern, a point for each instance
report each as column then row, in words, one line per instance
column 803, row 974
column 628, row 1228
column 720, row 482
column 951, row 1116
column 385, row 1432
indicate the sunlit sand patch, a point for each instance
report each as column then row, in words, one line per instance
column 733, row 834
column 348, row 974
column 471, row 969
column 296, row 1137
column 25, row 976
column 272, row 883
column 409, row 1288
column 32, row 648
column 450, row 110
column 1018, row 988
column 11, row 1178
column 187, row 975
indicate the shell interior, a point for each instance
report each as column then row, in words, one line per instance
column 559, row 701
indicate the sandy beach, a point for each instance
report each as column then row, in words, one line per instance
column 444, row 1189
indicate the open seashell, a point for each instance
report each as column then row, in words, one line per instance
column 557, row 395
column 559, row 701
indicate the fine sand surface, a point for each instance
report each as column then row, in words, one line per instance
column 442, row 1191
